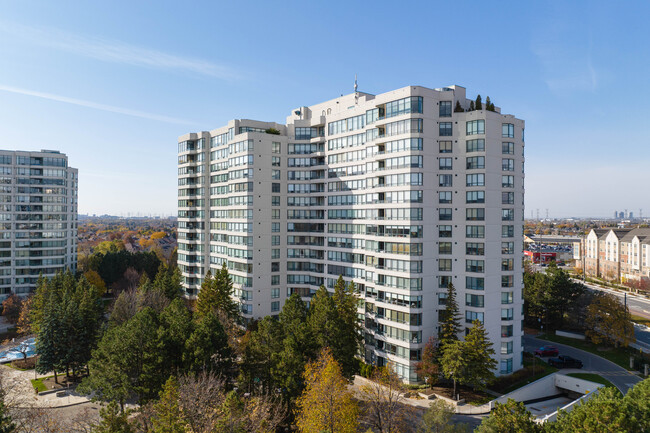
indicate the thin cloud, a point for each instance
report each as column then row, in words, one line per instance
column 94, row 105
column 116, row 52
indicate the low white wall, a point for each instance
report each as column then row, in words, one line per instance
column 580, row 386
column 570, row 335
column 568, row 408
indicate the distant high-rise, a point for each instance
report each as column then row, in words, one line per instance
column 38, row 218
column 404, row 193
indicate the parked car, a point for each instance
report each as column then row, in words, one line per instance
column 565, row 362
column 547, row 351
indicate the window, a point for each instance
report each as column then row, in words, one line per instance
column 475, row 214
column 477, row 145
column 506, row 331
column 444, row 197
column 507, row 247
column 507, row 264
column 507, row 214
column 506, row 347
column 507, row 164
column 508, row 181
column 444, row 129
column 471, row 316
column 475, row 248
column 507, row 280
column 443, row 282
column 445, row 147
column 275, row 161
column 475, row 232
column 445, row 214
column 275, row 200
column 508, row 148
column 275, row 187
column 275, row 266
column 444, row 248
column 275, row 227
column 474, row 266
column 507, row 198
column 275, row 280
column 477, row 179
column 275, row 214
column 445, row 179
column 275, row 253
column 475, row 197
column 275, row 147
column 507, row 298
column 444, row 109
column 475, row 162
column 275, row 306
column 445, row 163
column 508, row 130
column 444, row 231
column 444, row 265
column 507, row 231
column 506, row 366
column 275, row 293
column 474, row 300
column 474, row 127
column 275, row 240
column 275, row 174
column 474, row 283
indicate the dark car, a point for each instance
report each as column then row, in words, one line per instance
column 565, row 362
column 547, row 351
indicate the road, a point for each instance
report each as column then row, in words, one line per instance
column 638, row 304
column 620, row 377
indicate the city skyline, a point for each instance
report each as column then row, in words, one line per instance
column 114, row 86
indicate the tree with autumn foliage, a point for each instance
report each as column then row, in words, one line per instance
column 429, row 368
column 11, row 308
column 608, row 321
column 385, row 409
column 326, row 405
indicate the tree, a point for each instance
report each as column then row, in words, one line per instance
column 167, row 417
column 607, row 411
column 450, row 326
column 259, row 357
column 24, row 324
column 509, row 417
column 206, row 348
column 428, row 368
column 479, row 104
column 216, row 295
column 95, row 280
column 458, row 108
column 608, row 320
column 488, row 104
column 437, row 419
column 326, row 405
column 113, row 421
column 471, row 106
column 384, row 397
column 454, row 362
column 479, row 352
column 11, row 307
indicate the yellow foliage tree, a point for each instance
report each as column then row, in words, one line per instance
column 608, row 321
column 326, row 405
column 158, row 235
column 97, row 281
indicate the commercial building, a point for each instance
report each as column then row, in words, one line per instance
column 38, row 218
column 402, row 192
column 620, row 255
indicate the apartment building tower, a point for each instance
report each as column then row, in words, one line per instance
column 38, row 218
column 402, row 193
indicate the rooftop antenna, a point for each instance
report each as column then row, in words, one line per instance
column 356, row 92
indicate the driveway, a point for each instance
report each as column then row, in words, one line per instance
column 620, row 377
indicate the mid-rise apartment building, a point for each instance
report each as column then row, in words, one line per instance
column 402, row 193
column 38, row 218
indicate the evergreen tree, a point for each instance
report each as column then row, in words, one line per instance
column 175, row 327
column 216, row 295
column 168, row 417
column 206, row 348
column 458, row 108
column 479, row 104
column 49, row 343
column 488, row 103
column 326, row 405
column 479, row 352
column 471, row 106
column 454, row 362
column 438, row 419
column 323, row 319
column 349, row 337
column 510, row 417
column 450, row 326
column 113, row 421
column 258, row 360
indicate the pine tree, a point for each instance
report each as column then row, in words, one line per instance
column 479, row 353
column 113, row 421
column 326, row 405
column 488, row 104
column 206, row 348
column 215, row 295
column 168, row 417
column 450, row 326
column 458, row 108
column 510, row 417
column 322, row 318
column 348, row 337
column 454, row 362
column 479, row 104
column 471, row 106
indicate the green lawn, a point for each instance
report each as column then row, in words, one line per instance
column 38, row 384
column 640, row 320
column 620, row 356
column 592, row 377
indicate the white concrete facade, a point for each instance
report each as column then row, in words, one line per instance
column 396, row 192
column 38, row 218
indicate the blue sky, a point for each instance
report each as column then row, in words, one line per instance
column 113, row 84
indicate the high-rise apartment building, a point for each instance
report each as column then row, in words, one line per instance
column 402, row 192
column 38, row 218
